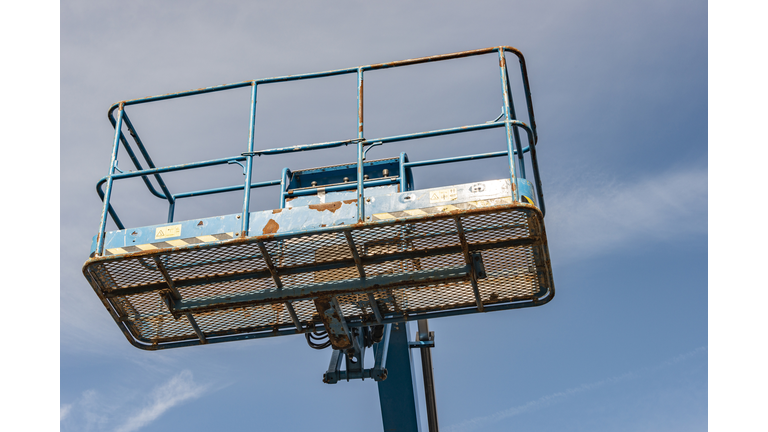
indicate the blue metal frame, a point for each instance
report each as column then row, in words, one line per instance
column 510, row 123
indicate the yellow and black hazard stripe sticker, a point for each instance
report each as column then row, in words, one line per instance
column 443, row 208
column 170, row 243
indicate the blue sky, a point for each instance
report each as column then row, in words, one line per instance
column 621, row 101
column 620, row 93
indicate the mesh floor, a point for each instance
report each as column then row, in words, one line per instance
column 510, row 240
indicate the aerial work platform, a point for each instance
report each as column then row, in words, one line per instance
column 352, row 246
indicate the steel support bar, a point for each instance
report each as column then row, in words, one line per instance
column 508, row 125
column 456, row 159
column 270, row 265
column 285, row 180
column 111, row 210
column 312, row 267
column 513, row 115
column 249, row 165
column 360, row 145
column 225, row 189
column 132, row 131
column 397, row 394
column 332, row 376
column 176, row 296
column 278, row 283
column 375, row 308
column 171, row 168
column 340, row 187
column 404, row 176
column 424, row 335
column 303, row 292
column 355, row 255
column 110, row 181
column 470, row 263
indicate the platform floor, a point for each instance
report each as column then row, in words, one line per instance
column 415, row 266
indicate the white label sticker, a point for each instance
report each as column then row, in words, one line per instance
column 167, row 232
column 443, row 195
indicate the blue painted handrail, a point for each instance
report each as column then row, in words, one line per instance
column 509, row 122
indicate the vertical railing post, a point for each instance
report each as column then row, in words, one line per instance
column 403, row 180
column 249, row 164
column 110, row 180
column 508, row 126
column 360, row 193
column 513, row 116
column 171, row 208
column 285, row 181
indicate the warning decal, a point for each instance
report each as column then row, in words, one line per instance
column 168, row 232
column 441, row 195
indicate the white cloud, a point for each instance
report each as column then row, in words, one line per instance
column 64, row 411
column 93, row 411
column 589, row 216
column 177, row 390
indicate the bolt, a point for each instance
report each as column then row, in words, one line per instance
column 385, row 173
column 314, row 183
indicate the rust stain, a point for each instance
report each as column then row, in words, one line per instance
column 276, row 211
column 352, row 201
column 271, row 227
column 332, row 206
column 290, row 199
column 360, row 109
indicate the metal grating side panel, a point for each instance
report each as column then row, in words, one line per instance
column 231, row 288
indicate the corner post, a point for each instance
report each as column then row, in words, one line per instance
column 110, row 180
column 249, row 164
column 508, row 125
column 360, row 193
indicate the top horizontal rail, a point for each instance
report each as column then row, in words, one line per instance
column 297, row 77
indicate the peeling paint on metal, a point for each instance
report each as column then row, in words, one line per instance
column 331, row 207
column 271, row 227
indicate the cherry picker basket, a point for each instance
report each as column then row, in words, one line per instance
column 351, row 246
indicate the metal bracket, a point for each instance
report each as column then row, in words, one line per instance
column 377, row 143
column 355, row 369
column 237, row 162
column 497, row 118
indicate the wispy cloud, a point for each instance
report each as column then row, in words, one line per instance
column 93, row 411
column 179, row 389
column 544, row 401
column 589, row 216
column 64, row 411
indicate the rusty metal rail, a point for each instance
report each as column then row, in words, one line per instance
column 509, row 122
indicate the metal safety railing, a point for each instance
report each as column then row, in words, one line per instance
column 508, row 120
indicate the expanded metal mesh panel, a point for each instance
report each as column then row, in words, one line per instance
column 132, row 272
column 229, row 288
column 511, row 274
column 231, row 259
